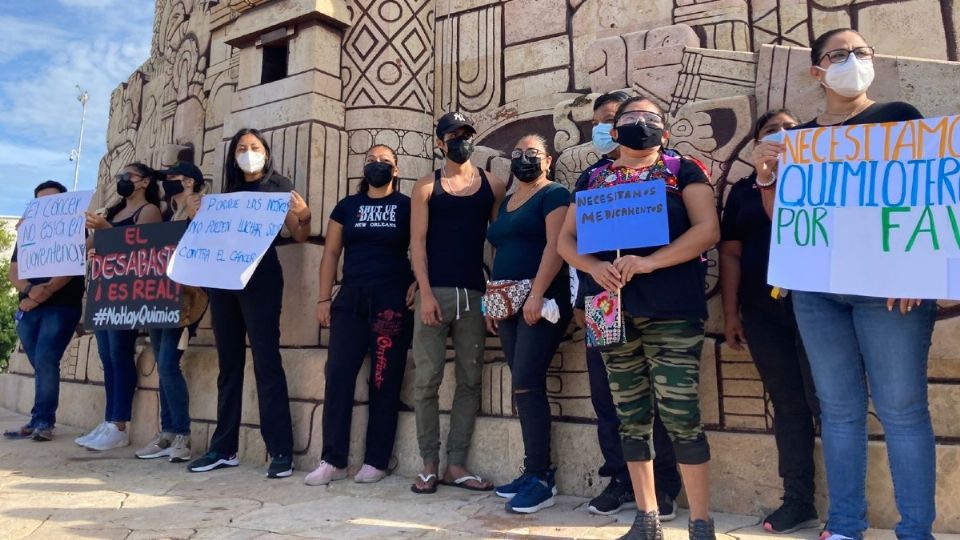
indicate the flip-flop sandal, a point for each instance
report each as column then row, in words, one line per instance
column 426, row 480
column 462, row 483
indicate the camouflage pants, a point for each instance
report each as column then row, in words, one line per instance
column 659, row 364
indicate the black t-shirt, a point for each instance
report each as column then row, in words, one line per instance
column 745, row 220
column 520, row 237
column 893, row 111
column 70, row 295
column 376, row 237
column 677, row 292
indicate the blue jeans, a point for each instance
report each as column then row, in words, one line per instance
column 45, row 333
column 117, row 350
column 174, row 399
column 853, row 341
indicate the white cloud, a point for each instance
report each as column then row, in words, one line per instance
column 22, row 36
column 98, row 4
column 16, row 155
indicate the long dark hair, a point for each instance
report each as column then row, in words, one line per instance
column 765, row 117
column 233, row 173
column 152, row 193
column 819, row 44
column 364, row 185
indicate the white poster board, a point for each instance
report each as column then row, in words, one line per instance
column 227, row 239
column 871, row 209
column 51, row 239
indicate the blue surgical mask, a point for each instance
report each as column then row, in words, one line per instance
column 602, row 140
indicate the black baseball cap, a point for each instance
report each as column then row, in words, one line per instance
column 452, row 121
column 185, row 168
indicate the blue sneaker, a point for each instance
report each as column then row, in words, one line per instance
column 535, row 495
column 508, row 491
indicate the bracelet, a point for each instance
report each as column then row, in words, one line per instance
column 324, row 301
column 301, row 221
column 773, row 180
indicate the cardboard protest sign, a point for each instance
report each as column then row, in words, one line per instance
column 622, row 216
column 870, row 209
column 51, row 237
column 129, row 288
column 226, row 240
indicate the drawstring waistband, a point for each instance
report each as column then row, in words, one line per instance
column 466, row 296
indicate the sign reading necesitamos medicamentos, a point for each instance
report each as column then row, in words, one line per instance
column 51, row 238
column 227, row 239
column 870, row 209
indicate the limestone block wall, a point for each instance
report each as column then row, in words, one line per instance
column 359, row 72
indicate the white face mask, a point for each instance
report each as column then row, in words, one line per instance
column 251, row 162
column 849, row 79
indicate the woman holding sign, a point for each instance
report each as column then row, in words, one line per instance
column 182, row 189
column 769, row 327
column 370, row 314
column 855, row 340
column 254, row 312
column 139, row 190
column 652, row 340
column 528, row 274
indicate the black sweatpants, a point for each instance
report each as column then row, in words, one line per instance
column 253, row 312
column 529, row 351
column 778, row 353
column 364, row 320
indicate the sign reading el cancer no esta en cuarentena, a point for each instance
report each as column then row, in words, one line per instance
column 870, row 209
column 51, row 236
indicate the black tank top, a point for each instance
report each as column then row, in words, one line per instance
column 131, row 220
column 456, row 232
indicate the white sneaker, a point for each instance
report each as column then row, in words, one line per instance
column 83, row 440
column 180, row 449
column 111, row 438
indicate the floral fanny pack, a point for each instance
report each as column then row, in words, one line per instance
column 604, row 320
column 504, row 298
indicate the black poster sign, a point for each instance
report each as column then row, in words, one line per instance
column 129, row 287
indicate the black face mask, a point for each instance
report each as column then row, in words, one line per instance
column 525, row 169
column 459, row 150
column 378, row 173
column 172, row 188
column 639, row 136
column 125, row 187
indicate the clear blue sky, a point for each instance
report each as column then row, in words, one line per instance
column 47, row 47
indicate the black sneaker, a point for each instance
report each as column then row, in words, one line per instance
column 646, row 526
column 280, row 467
column 791, row 517
column 614, row 498
column 667, row 507
column 211, row 461
column 701, row 530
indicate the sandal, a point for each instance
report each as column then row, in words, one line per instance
column 462, row 483
column 431, row 487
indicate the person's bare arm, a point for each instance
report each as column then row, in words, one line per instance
column 704, row 233
column 499, row 188
column 730, row 254
column 332, row 248
column 149, row 214
column 550, row 264
column 298, row 218
column 13, row 274
column 419, row 219
column 602, row 272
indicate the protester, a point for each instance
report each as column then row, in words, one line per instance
column 48, row 314
column 528, row 270
column 182, row 191
column 369, row 314
column 450, row 211
column 852, row 340
column 663, row 313
column 619, row 492
column 770, row 329
column 139, row 191
column 254, row 312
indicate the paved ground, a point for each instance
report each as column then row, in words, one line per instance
column 59, row 490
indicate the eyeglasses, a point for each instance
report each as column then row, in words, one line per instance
column 839, row 56
column 640, row 117
column 529, row 153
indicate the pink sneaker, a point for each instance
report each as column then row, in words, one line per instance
column 324, row 474
column 369, row 474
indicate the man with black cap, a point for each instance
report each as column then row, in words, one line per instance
column 182, row 191
column 451, row 209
